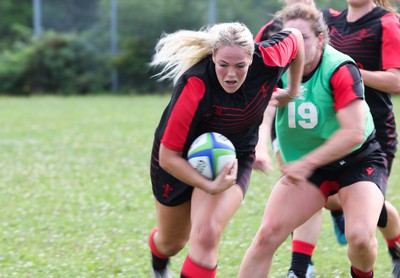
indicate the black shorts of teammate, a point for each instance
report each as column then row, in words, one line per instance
column 365, row 164
column 170, row 191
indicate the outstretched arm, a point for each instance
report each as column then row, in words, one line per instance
column 386, row 81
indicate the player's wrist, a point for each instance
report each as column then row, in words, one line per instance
column 311, row 162
column 291, row 95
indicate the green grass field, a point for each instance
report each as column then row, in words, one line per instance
column 76, row 200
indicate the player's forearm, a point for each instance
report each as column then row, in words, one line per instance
column 337, row 146
column 296, row 68
column 385, row 81
column 177, row 166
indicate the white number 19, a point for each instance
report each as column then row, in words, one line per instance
column 308, row 113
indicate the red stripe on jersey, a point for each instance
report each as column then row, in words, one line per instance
column 346, row 86
column 282, row 53
column 390, row 41
column 182, row 114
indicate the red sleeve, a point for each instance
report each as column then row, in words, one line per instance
column 334, row 12
column 182, row 114
column 390, row 41
column 346, row 85
column 281, row 53
column 261, row 31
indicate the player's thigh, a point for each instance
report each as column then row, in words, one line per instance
column 362, row 204
column 217, row 209
column 293, row 203
column 174, row 221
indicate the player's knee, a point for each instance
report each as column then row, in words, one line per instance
column 173, row 247
column 207, row 235
column 268, row 238
column 361, row 239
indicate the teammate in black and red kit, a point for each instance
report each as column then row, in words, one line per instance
column 223, row 83
column 369, row 32
column 372, row 39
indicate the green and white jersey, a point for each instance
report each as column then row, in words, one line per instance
column 309, row 120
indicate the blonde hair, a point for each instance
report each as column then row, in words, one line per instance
column 307, row 13
column 389, row 5
column 178, row 51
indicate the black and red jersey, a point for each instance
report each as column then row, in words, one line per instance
column 270, row 28
column 199, row 104
column 372, row 41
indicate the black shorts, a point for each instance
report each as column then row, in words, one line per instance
column 365, row 164
column 170, row 191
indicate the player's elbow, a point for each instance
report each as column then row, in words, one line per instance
column 396, row 89
column 163, row 162
column 166, row 162
column 357, row 136
column 166, row 157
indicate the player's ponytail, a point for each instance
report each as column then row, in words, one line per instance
column 178, row 51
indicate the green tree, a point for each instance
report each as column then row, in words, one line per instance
column 16, row 21
column 140, row 24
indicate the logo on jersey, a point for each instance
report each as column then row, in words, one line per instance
column 264, row 89
column 365, row 34
column 167, row 190
column 302, row 91
column 218, row 110
column 369, row 170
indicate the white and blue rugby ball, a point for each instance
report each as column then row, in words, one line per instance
column 209, row 154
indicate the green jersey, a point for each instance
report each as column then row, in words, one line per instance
column 309, row 120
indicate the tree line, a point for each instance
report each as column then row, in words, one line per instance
column 72, row 54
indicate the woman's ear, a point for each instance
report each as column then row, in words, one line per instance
column 321, row 40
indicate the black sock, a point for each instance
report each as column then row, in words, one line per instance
column 394, row 252
column 300, row 263
column 158, row 263
column 336, row 213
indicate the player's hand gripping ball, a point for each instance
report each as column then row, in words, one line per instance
column 209, row 154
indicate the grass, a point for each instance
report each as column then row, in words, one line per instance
column 75, row 197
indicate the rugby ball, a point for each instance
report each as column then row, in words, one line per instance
column 210, row 152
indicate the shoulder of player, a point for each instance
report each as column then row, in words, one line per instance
column 283, row 35
column 390, row 18
column 197, row 74
column 332, row 12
